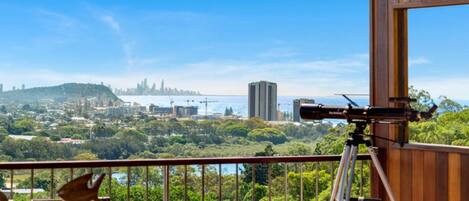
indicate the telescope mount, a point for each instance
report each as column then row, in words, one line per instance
column 341, row 190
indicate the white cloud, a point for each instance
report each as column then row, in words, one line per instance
column 111, row 22
column 57, row 19
column 128, row 45
column 314, row 78
column 452, row 87
column 278, row 52
column 418, row 61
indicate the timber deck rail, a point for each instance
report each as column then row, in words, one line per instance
column 166, row 164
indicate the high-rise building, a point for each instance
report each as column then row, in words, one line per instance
column 296, row 107
column 1, row 88
column 263, row 100
column 162, row 86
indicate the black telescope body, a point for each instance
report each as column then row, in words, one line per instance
column 369, row 114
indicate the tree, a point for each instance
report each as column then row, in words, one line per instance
column 2, row 180
column 299, row 149
column 254, row 122
column 237, row 130
column 268, row 134
column 448, row 105
column 423, row 99
column 55, row 138
column 228, row 111
column 261, row 175
column 85, row 156
column 132, row 134
column 101, row 130
column 3, row 109
column 3, row 132
column 259, row 191
column 23, row 125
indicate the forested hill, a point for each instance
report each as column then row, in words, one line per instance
column 64, row 92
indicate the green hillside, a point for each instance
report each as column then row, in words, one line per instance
column 64, row 92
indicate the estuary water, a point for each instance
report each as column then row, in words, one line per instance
column 218, row 104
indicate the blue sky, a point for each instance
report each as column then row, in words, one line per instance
column 313, row 48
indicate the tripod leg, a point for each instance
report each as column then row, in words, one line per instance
column 381, row 174
column 351, row 174
column 340, row 170
column 343, row 180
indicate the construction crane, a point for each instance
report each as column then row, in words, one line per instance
column 284, row 104
column 171, row 101
column 206, row 102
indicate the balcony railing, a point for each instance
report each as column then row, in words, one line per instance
column 210, row 176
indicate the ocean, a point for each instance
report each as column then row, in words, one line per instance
column 218, row 104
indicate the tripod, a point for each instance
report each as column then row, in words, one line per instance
column 342, row 188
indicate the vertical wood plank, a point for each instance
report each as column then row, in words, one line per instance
column 406, row 175
column 379, row 85
column 465, row 176
column 442, row 176
column 429, row 178
column 417, row 175
column 395, row 171
column 454, row 177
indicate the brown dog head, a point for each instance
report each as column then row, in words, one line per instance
column 79, row 190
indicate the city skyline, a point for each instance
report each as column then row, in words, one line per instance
column 217, row 47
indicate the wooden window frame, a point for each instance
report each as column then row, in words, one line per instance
column 389, row 78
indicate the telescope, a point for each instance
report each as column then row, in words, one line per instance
column 361, row 117
column 370, row 114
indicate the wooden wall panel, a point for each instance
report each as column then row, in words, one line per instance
column 454, row 177
column 394, row 174
column 465, row 176
column 429, row 176
column 417, row 175
column 442, row 176
column 405, row 186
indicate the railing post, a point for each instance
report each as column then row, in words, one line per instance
column 253, row 196
column 301, row 182
column 91, row 172
column 317, row 181
column 52, row 189
column 185, row 182
column 146, row 183
column 219, row 182
column 71, row 174
column 286, row 181
column 12, row 172
column 237, row 183
column 361, row 178
column 332, row 175
column 166, row 183
column 203, row 182
column 128, row 182
column 32, row 184
column 269, row 180
column 109, row 182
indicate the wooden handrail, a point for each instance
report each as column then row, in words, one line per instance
column 163, row 162
column 433, row 147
